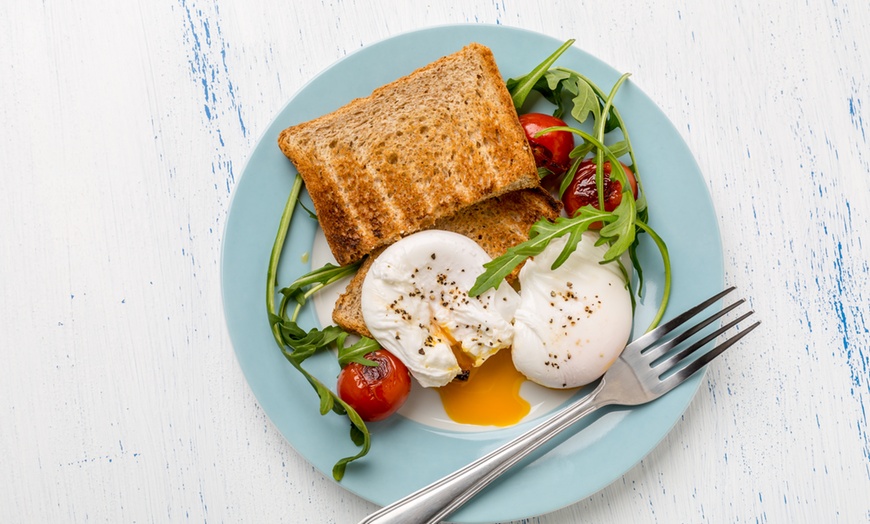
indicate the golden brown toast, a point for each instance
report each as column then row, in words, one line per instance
column 496, row 224
column 418, row 149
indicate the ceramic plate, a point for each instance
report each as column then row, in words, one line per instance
column 407, row 454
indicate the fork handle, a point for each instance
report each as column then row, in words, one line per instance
column 437, row 500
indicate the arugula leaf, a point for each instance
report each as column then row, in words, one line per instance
column 521, row 87
column 322, row 277
column 543, row 171
column 620, row 233
column 360, row 436
column 305, row 286
column 550, row 87
column 297, row 345
column 619, row 148
column 499, row 268
column 311, row 214
column 585, row 100
column 306, row 344
column 540, row 235
column 275, row 255
column 614, row 119
column 666, row 261
column 357, row 352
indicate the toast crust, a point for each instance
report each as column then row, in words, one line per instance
column 416, row 150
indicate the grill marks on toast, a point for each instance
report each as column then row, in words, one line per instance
column 362, row 194
column 419, row 149
column 337, row 199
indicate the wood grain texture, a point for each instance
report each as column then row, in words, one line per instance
column 126, row 126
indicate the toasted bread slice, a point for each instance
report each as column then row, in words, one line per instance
column 496, row 224
column 418, row 149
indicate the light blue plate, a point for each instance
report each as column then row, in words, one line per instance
column 407, row 455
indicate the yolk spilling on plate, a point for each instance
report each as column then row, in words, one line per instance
column 490, row 396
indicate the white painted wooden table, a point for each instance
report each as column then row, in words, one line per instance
column 125, row 127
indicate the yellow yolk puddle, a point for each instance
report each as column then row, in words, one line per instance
column 490, row 396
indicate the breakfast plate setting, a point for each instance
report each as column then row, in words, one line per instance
column 420, row 444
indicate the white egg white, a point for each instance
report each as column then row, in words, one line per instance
column 416, row 305
column 572, row 322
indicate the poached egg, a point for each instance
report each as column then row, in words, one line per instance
column 574, row 321
column 415, row 303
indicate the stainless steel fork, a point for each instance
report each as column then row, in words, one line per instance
column 645, row 371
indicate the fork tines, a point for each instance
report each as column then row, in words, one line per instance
column 654, row 353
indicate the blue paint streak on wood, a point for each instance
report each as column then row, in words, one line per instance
column 209, row 69
column 852, row 325
column 855, row 115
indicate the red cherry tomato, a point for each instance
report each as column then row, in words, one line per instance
column 550, row 149
column 582, row 190
column 375, row 392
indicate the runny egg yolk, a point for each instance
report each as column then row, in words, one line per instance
column 490, row 396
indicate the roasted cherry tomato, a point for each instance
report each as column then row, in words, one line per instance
column 550, row 149
column 375, row 392
column 582, row 190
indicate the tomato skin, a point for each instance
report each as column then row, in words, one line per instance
column 550, row 149
column 375, row 392
column 582, row 190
